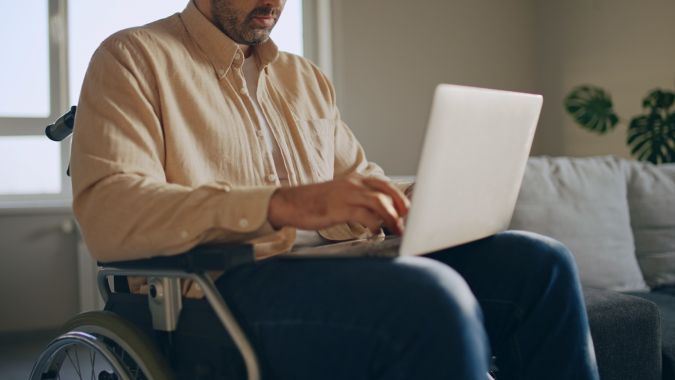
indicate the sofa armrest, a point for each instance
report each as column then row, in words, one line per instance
column 626, row 333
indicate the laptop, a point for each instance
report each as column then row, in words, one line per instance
column 472, row 164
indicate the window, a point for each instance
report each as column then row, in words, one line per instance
column 33, row 167
column 37, row 86
column 29, row 95
column 25, row 95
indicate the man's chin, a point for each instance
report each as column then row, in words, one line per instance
column 258, row 39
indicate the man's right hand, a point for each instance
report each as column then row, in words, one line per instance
column 371, row 202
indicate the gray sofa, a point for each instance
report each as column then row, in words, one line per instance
column 618, row 218
column 626, row 333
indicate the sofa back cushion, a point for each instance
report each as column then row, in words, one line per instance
column 582, row 202
column 651, row 198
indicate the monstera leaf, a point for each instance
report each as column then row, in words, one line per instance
column 591, row 108
column 651, row 136
column 659, row 101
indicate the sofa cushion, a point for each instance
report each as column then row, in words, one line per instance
column 582, row 203
column 651, row 198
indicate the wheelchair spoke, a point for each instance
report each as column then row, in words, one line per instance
column 77, row 368
column 92, row 355
column 110, row 346
column 77, row 359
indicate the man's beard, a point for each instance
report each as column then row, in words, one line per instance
column 227, row 19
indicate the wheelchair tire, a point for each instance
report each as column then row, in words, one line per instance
column 126, row 352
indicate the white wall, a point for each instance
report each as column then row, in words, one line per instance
column 624, row 46
column 390, row 54
column 38, row 270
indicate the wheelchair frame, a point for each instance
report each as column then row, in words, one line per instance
column 165, row 299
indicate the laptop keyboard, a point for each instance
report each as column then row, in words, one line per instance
column 374, row 247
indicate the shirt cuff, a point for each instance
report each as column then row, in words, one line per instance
column 245, row 209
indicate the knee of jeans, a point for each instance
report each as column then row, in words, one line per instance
column 435, row 316
column 433, row 291
column 548, row 254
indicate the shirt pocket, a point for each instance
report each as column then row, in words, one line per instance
column 319, row 144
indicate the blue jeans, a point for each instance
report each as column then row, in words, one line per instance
column 514, row 295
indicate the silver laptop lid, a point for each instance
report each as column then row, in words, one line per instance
column 472, row 164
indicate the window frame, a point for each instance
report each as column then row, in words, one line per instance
column 317, row 46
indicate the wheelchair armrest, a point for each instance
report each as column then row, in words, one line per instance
column 199, row 259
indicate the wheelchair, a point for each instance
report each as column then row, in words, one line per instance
column 106, row 345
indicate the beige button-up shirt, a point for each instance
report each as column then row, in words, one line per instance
column 165, row 154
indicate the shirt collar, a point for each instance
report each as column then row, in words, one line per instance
column 221, row 51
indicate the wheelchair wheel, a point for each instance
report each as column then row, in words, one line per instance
column 100, row 345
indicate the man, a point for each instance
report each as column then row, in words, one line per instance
column 195, row 129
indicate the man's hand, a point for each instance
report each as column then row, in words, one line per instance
column 371, row 202
column 409, row 191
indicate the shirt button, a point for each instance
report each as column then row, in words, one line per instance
column 243, row 91
column 260, row 133
column 243, row 222
column 272, row 177
column 238, row 60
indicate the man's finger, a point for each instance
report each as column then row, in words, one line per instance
column 367, row 219
column 381, row 205
column 409, row 191
column 401, row 202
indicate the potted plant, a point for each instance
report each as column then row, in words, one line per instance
column 651, row 135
